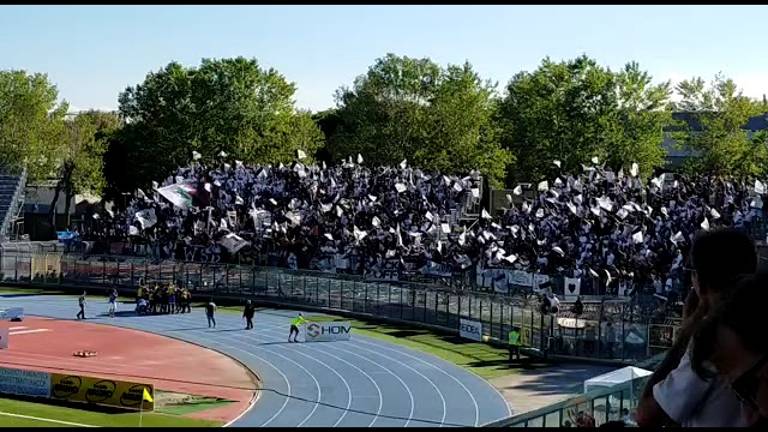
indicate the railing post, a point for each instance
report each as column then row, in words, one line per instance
column 401, row 303
column 329, row 293
column 491, row 318
column 365, row 302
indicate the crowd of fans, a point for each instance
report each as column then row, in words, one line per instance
column 597, row 225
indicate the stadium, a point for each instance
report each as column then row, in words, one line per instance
column 431, row 252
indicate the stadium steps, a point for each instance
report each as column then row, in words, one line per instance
column 11, row 200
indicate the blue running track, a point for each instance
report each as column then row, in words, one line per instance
column 362, row 382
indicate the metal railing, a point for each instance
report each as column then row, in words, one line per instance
column 15, row 206
column 604, row 405
column 599, row 334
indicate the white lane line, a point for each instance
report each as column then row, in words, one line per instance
column 474, row 401
column 47, row 420
column 17, row 328
column 432, row 383
column 375, row 384
column 344, row 381
column 317, row 386
column 397, row 377
column 289, row 394
column 22, row 332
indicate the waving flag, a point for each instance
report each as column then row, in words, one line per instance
column 179, row 194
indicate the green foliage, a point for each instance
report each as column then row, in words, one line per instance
column 574, row 110
column 31, row 123
column 437, row 118
column 722, row 110
column 230, row 105
column 84, row 148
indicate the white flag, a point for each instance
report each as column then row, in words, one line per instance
column 557, row 163
column 300, row 155
column 595, row 160
column 404, row 164
column 543, row 186
column 635, row 169
column 196, row 155
column 233, row 243
column 705, row 225
column 359, row 158
column 637, row 237
column 518, row 190
column 179, row 194
column 485, row 215
column 759, row 187
column 400, row 188
column 445, row 228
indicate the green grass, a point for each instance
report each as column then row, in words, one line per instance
column 482, row 359
column 87, row 417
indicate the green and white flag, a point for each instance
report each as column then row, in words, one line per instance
column 179, row 194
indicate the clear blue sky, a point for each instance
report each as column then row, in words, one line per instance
column 94, row 52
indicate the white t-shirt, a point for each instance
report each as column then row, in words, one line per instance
column 692, row 401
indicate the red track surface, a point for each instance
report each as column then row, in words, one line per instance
column 169, row 364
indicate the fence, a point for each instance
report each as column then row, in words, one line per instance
column 608, row 330
column 603, row 405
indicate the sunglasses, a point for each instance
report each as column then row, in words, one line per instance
column 747, row 385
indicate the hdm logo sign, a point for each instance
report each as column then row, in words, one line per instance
column 327, row 332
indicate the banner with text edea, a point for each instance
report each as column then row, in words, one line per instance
column 470, row 329
column 121, row 394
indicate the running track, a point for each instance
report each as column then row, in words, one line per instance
column 361, row 382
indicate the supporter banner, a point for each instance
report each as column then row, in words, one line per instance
column 109, row 392
column 572, row 288
column 471, row 329
column 519, row 277
column 434, row 269
column 12, row 314
column 541, row 282
column 179, row 194
column 331, row 331
column 23, row 382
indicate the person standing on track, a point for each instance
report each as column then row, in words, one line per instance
column 210, row 310
column 81, row 303
column 295, row 323
column 248, row 313
column 112, row 303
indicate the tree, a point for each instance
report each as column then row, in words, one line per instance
column 405, row 108
column 720, row 111
column 573, row 110
column 31, row 123
column 80, row 159
column 230, row 105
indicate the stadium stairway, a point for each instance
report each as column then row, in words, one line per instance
column 11, row 201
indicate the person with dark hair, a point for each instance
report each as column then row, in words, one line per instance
column 210, row 310
column 675, row 394
column 81, row 303
column 248, row 313
column 728, row 344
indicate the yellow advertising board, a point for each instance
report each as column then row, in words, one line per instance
column 101, row 391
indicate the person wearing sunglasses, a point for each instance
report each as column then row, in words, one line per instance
column 675, row 394
column 731, row 343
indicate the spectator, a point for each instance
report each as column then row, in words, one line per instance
column 730, row 345
column 675, row 394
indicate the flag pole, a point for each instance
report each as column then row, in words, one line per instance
column 141, row 411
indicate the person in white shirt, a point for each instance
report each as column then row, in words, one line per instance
column 675, row 394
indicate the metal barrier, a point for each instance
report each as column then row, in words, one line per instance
column 603, row 405
column 425, row 304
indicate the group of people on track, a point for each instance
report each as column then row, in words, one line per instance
column 165, row 299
